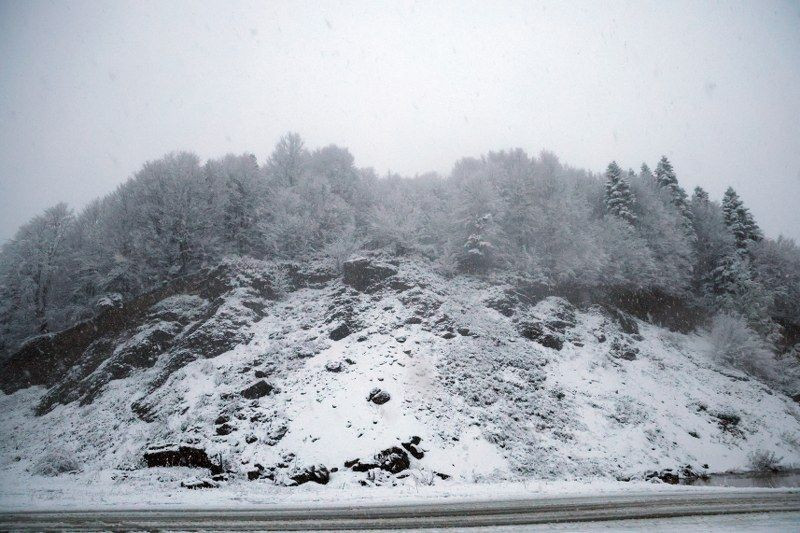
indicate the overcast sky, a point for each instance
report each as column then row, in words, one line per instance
column 90, row 91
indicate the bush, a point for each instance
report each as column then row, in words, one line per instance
column 737, row 345
column 56, row 462
column 764, row 461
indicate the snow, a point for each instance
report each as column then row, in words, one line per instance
column 497, row 412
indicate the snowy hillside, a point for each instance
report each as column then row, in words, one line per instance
column 283, row 375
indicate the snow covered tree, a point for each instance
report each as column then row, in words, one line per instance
column 33, row 275
column 287, row 162
column 666, row 179
column 619, row 198
column 700, row 196
column 740, row 221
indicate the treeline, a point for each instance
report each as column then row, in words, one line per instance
column 505, row 213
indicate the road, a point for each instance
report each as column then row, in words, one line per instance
column 548, row 510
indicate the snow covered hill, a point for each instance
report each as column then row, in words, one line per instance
column 385, row 375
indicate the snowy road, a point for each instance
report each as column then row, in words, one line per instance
column 553, row 510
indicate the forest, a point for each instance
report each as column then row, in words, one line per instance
column 505, row 214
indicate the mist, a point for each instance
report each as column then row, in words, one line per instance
column 89, row 91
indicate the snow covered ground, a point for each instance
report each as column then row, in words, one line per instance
column 538, row 398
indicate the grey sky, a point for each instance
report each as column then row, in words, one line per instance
column 89, row 91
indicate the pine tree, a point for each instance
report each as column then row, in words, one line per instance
column 700, row 196
column 619, row 198
column 666, row 179
column 646, row 172
column 740, row 221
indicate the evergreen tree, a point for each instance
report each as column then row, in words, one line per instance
column 619, row 198
column 700, row 196
column 740, row 221
column 666, row 179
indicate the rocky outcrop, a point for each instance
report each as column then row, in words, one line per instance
column 364, row 274
column 257, row 390
column 180, row 455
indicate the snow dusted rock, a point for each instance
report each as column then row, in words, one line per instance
column 340, row 332
column 392, row 460
column 539, row 332
column 179, row 455
column 199, row 483
column 333, row 366
column 316, row 473
column 363, row 274
column 257, row 390
column 378, row 396
column 412, row 447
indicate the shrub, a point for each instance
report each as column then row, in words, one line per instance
column 737, row 345
column 764, row 461
column 56, row 462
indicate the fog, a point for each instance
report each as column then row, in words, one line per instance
column 90, row 91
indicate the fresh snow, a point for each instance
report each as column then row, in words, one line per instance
column 497, row 412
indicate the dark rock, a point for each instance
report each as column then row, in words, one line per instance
column 340, row 332
column 412, row 447
column 260, row 374
column 250, row 438
column 448, row 335
column 221, row 419
column 442, row 476
column 362, row 273
column 463, row 331
column 179, row 455
column 257, row 390
column 393, row 460
column 316, row 473
column 539, row 333
column 378, row 396
column 356, row 465
column 413, row 320
column 225, row 429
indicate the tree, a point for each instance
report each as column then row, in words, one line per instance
column 33, row 268
column 666, row 179
column 287, row 162
column 619, row 198
column 740, row 221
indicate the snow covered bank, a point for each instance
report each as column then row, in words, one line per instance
column 543, row 394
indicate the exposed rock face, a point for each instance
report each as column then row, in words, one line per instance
column 189, row 318
column 362, row 273
column 378, row 396
column 179, row 455
column 339, row 332
column 540, row 333
column 257, row 390
column 316, row 473
column 393, row 460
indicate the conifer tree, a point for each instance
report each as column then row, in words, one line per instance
column 740, row 221
column 665, row 177
column 700, row 196
column 619, row 198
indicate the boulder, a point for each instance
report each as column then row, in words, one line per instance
column 333, row 366
column 199, row 483
column 257, row 390
column 340, row 332
column 378, row 396
column 362, row 273
column 393, row 460
column 316, row 473
column 179, row 455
